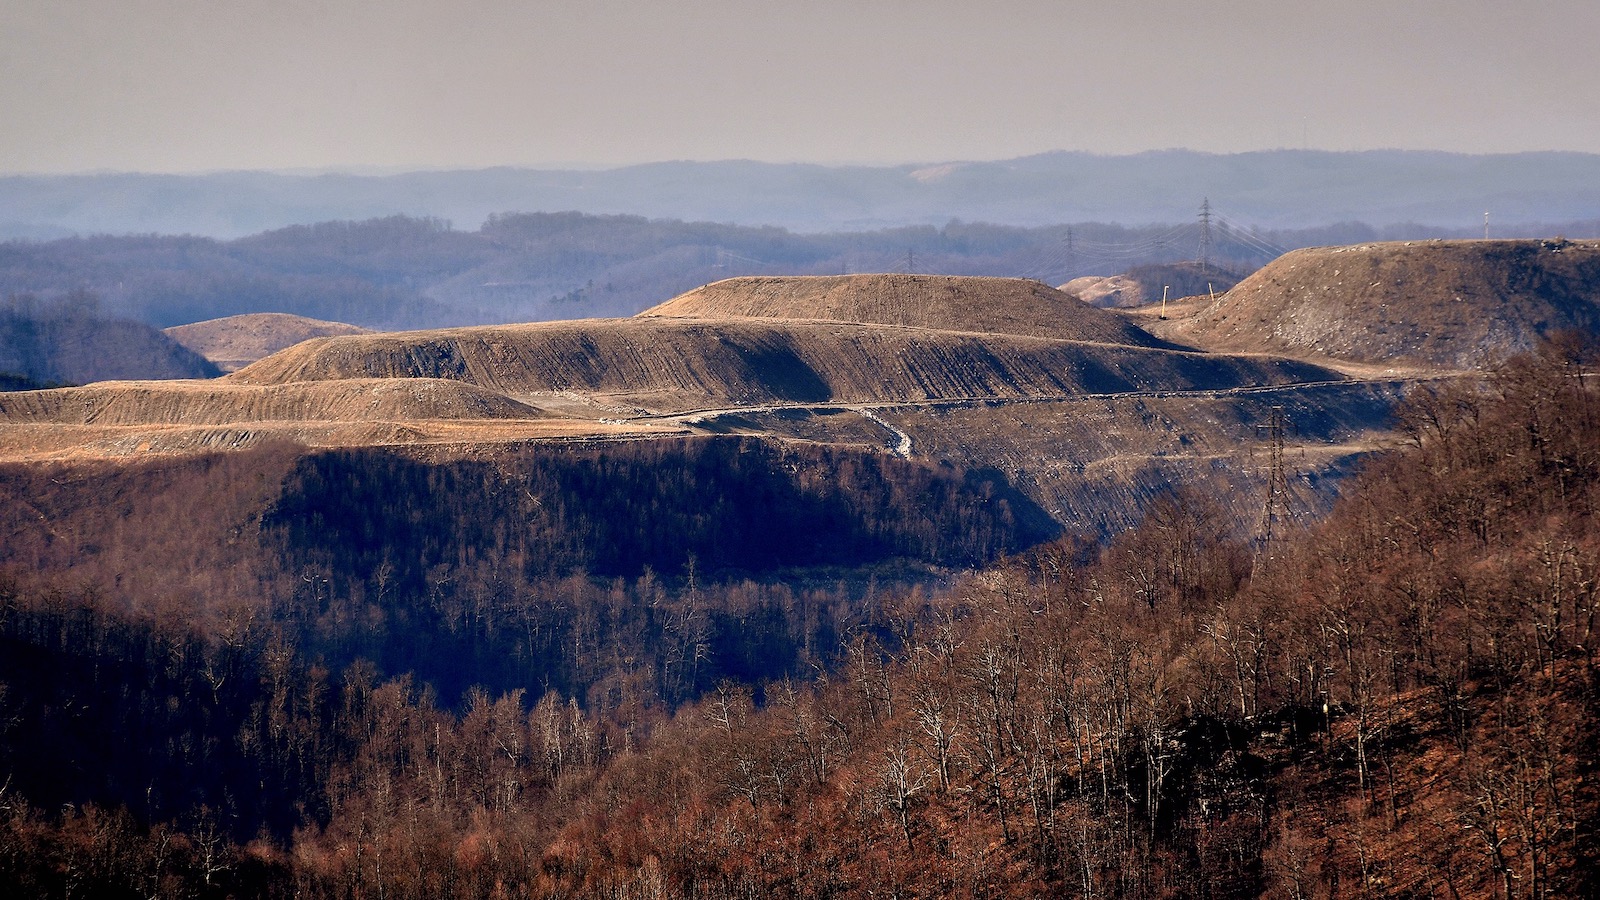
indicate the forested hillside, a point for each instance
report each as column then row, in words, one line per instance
column 669, row 563
column 400, row 272
column 1396, row 701
column 69, row 340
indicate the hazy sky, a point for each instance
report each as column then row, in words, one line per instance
column 187, row 85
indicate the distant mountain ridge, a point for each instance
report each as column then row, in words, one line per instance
column 400, row 272
column 1274, row 189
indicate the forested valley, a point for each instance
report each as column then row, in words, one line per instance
column 364, row 682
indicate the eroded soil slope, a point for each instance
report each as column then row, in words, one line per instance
column 220, row 403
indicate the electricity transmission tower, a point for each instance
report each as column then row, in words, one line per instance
column 1276, row 506
column 1205, row 236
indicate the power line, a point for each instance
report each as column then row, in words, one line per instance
column 1213, row 233
column 1276, row 505
column 1248, row 237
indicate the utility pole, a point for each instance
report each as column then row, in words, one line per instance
column 1205, row 235
column 1486, row 225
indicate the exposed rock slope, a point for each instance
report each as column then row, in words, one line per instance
column 1086, row 412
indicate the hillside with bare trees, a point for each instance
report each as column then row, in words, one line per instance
column 69, row 340
column 1395, row 701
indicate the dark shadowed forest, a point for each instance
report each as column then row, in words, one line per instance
column 612, row 701
column 672, row 563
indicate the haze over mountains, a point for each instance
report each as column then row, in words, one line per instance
column 69, row 341
column 1270, row 189
column 401, row 272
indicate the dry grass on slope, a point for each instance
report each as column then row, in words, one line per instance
column 233, row 342
column 670, row 365
column 1440, row 304
column 32, row 443
column 221, row 403
column 941, row 302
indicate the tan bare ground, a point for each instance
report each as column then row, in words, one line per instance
column 1097, row 460
column 677, row 364
column 218, row 402
column 941, row 302
column 1168, row 325
column 1147, row 285
column 1107, row 291
column 1081, row 409
column 1438, row 306
column 233, row 342
column 1096, row 464
column 42, row 442
column 1151, row 316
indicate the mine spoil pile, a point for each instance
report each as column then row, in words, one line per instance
column 980, row 373
column 233, row 342
column 1452, row 305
